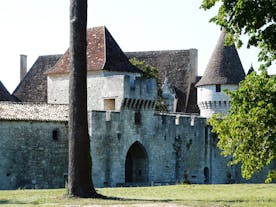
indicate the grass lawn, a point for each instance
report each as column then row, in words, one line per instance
column 177, row 195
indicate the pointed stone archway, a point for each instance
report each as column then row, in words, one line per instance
column 136, row 164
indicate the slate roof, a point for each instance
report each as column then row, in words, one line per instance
column 192, row 106
column 33, row 112
column 224, row 67
column 103, row 53
column 175, row 65
column 33, row 87
column 4, row 93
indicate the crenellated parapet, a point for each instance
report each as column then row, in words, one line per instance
column 220, row 105
column 140, row 88
column 212, row 99
column 139, row 93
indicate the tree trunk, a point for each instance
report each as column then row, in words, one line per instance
column 79, row 168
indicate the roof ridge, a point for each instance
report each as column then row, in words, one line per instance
column 104, row 39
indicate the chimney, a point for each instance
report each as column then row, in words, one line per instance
column 23, row 66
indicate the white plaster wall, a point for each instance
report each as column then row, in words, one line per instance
column 99, row 87
column 58, row 89
column 211, row 102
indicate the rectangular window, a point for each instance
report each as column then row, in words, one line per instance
column 218, row 88
column 137, row 118
column 109, row 104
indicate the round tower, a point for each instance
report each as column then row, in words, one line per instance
column 224, row 71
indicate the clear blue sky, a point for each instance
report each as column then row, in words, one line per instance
column 41, row 27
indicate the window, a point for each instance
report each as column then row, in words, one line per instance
column 218, row 88
column 55, row 134
column 109, row 104
column 137, row 118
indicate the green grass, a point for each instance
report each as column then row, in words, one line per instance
column 183, row 195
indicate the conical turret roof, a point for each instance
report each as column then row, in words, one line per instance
column 224, row 66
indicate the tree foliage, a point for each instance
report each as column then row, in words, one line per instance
column 248, row 132
column 256, row 18
column 151, row 72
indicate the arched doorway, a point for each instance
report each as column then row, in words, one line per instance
column 136, row 165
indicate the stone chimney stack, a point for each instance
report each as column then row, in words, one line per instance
column 23, row 66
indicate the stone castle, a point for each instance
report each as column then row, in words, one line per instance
column 131, row 143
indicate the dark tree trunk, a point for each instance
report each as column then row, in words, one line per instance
column 79, row 167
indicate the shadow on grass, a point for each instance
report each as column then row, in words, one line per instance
column 110, row 198
column 135, row 199
column 230, row 201
column 5, row 201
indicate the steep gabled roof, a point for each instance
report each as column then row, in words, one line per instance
column 103, row 53
column 224, row 66
column 4, row 94
column 33, row 87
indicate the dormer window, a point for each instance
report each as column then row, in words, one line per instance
column 218, row 88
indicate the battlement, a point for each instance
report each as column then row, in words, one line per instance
column 140, row 88
column 139, row 93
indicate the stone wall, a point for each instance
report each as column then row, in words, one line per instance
column 33, row 154
column 220, row 172
column 164, row 149
column 131, row 147
column 173, row 144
